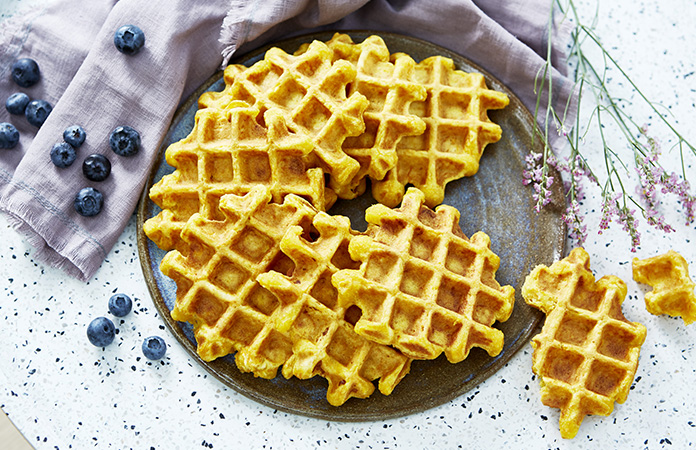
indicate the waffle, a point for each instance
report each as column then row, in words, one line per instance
column 309, row 90
column 217, row 291
column 423, row 286
column 457, row 130
column 324, row 342
column 390, row 88
column 673, row 290
column 228, row 152
column 587, row 352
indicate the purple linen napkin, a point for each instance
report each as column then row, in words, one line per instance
column 91, row 84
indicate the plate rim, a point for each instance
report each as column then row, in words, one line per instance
column 495, row 363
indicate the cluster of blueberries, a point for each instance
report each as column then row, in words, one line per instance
column 123, row 140
column 101, row 331
column 25, row 73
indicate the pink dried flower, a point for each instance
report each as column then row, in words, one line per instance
column 573, row 219
column 647, row 192
column 651, row 175
column 536, row 174
column 610, row 208
column 672, row 184
column 630, row 225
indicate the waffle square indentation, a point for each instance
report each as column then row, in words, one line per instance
column 561, row 365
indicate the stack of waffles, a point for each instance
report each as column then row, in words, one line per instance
column 265, row 274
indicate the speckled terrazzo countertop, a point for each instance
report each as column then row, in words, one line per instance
column 61, row 392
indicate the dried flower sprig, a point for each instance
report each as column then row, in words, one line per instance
column 617, row 201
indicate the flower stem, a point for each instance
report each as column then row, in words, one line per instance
column 645, row 156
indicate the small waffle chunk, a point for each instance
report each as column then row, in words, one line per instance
column 324, row 342
column 309, row 90
column 587, row 352
column 457, row 130
column 216, row 275
column 423, row 286
column 390, row 87
column 228, row 152
column 673, row 290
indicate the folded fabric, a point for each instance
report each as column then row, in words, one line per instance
column 91, row 84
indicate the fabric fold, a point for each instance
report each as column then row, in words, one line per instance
column 105, row 90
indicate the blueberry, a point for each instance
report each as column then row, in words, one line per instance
column 74, row 135
column 17, row 103
column 63, row 155
column 25, row 72
column 124, row 141
column 120, row 305
column 101, row 331
column 9, row 136
column 37, row 112
column 154, row 347
column 88, row 202
column 96, row 167
column 129, row 39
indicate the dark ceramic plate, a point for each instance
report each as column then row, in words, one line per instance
column 493, row 201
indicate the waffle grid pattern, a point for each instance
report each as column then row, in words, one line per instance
column 228, row 152
column 324, row 342
column 216, row 282
column 587, row 352
column 457, row 130
column 388, row 82
column 309, row 90
column 423, row 287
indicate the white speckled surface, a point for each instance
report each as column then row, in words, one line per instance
column 63, row 393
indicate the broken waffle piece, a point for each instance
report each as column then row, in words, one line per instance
column 422, row 285
column 457, row 130
column 309, row 91
column 586, row 354
column 228, row 152
column 324, row 341
column 673, row 290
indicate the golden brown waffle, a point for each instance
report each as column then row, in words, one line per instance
column 390, row 88
column 587, row 352
column 228, row 152
column 457, row 130
column 423, row 286
column 309, row 90
column 216, row 275
column 324, row 343
column 673, row 290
